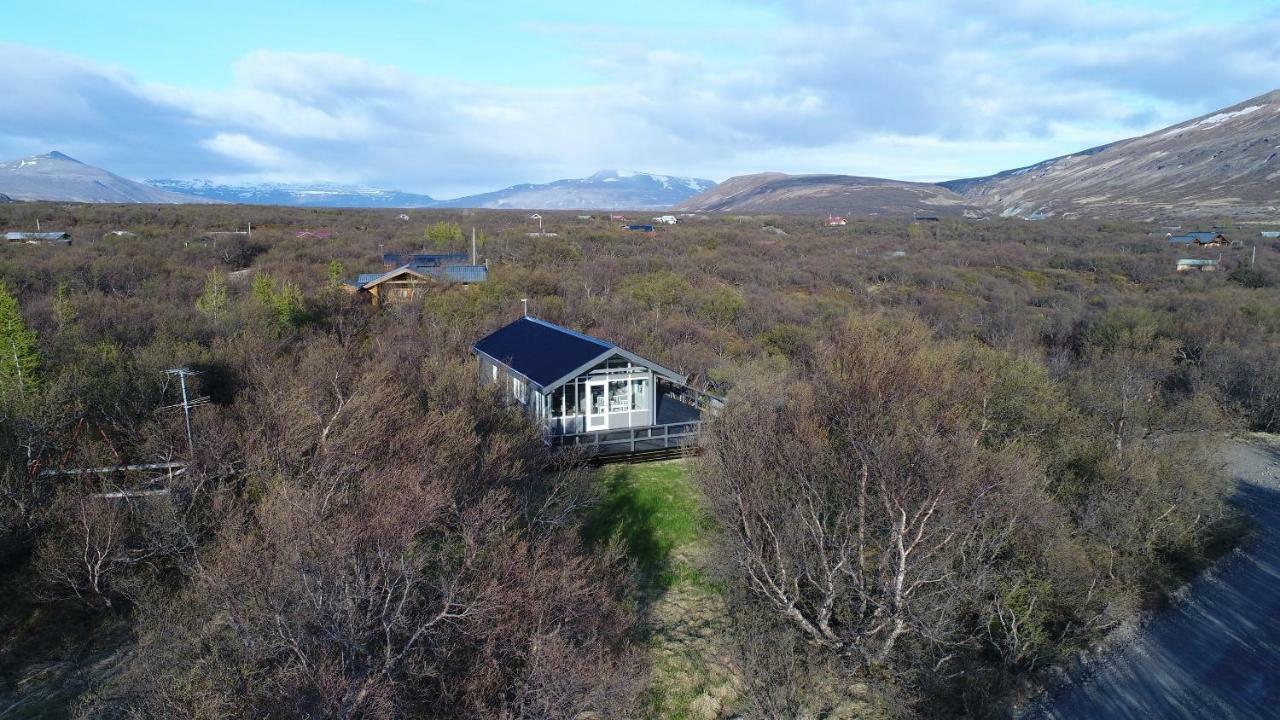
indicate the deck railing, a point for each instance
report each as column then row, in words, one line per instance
column 630, row 440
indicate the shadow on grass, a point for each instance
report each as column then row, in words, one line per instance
column 650, row 510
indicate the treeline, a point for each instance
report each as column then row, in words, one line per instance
column 937, row 472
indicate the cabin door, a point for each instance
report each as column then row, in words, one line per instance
column 597, row 406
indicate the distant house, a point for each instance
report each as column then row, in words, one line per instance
column 926, row 218
column 585, row 391
column 836, row 221
column 1181, row 240
column 638, row 228
column 394, row 260
column 1197, row 265
column 316, row 234
column 39, row 238
column 414, row 276
column 122, row 233
column 618, row 218
column 402, row 217
column 1211, row 238
column 666, row 219
column 1271, row 233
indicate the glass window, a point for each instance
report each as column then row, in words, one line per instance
column 619, row 395
column 519, row 390
column 557, row 402
column 597, row 399
column 640, row 394
column 573, row 399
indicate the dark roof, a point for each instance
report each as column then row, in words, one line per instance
column 424, row 259
column 1181, row 240
column 1203, row 234
column 640, row 228
column 549, row 355
column 541, row 351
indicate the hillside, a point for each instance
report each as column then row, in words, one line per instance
column 55, row 176
column 843, row 194
column 1226, row 163
column 300, row 194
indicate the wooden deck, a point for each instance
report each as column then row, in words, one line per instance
column 678, row 430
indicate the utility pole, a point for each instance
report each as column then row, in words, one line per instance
column 250, row 233
column 525, row 302
column 187, row 403
column 473, row 244
column 1253, row 260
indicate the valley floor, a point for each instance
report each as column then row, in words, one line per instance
column 1216, row 652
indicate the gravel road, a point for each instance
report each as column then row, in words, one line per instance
column 1214, row 654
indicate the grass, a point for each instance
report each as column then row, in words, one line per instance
column 655, row 512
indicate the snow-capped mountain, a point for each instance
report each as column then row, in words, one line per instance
column 55, row 176
column 605, row 190
column 316, row 195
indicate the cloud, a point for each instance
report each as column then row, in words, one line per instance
column 917, row 89
column 248, row 151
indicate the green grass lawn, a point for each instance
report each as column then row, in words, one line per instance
column 655, row 512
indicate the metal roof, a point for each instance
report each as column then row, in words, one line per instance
column 424, row 259
column 16, row 236
column 549, row 355
column 1181, row 240
column 1202, row 234
column 449, row 273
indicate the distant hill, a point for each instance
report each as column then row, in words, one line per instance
column 315, row 195
column 54, row 176
column 1226, row 163
column 605, row 190
column 835, row 194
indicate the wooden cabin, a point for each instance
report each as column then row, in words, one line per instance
column 586, row 391
column 408, row 283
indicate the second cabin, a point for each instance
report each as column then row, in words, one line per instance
column 588, row 391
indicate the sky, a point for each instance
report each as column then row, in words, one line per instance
column 451, row 98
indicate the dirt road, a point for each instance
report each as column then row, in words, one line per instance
column 1215, row 654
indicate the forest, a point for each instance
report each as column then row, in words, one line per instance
column 952, row 455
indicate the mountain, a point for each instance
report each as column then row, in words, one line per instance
column 1226, row 163
column 840, row 194
column 605, row 190
column 54, row 176
column 315, row 195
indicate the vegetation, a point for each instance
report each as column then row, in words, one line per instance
column 937, row 472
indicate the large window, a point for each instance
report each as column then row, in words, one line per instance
column 619, row 395
column 640, row 394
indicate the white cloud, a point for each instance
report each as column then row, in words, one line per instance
column 244, row 149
